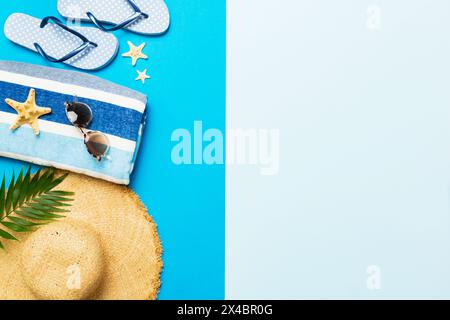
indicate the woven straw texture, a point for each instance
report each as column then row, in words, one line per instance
column 107, row 248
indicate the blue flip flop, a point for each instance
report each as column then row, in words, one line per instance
column 80, row 47
column 148, row 17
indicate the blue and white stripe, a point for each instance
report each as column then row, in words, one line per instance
column 60, row 144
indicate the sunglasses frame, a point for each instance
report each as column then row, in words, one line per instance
column 85, row 132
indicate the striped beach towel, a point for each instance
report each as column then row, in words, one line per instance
column 118, row 112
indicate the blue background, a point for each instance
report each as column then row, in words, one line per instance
column 187, row 66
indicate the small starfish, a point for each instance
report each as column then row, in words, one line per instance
column 28, row 112
column 135, row 53
column 142, row 76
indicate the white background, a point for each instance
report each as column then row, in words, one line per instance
column 362, row 107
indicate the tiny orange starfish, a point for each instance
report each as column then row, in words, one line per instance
column 142, row 76
column 28, row 111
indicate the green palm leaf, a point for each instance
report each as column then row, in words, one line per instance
column 30, row 202
column 2, row 197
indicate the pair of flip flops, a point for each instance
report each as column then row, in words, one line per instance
column 87, row 48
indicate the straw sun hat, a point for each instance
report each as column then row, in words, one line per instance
column 106, row 248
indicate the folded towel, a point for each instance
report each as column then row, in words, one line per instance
column 118, row 112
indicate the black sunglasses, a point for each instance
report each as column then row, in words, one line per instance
column 80, row 115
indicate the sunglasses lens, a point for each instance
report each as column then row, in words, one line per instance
column 79, row 114
column 97, row 144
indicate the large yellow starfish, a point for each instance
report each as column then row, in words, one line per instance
column 135, row 53
column 28, row 112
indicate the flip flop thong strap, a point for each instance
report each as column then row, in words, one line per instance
column 138, row 14
column 84, row 46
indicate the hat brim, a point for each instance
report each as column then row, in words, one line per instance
column 129, row 237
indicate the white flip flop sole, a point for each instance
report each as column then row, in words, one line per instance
column 116, row 11
column 25, row 30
